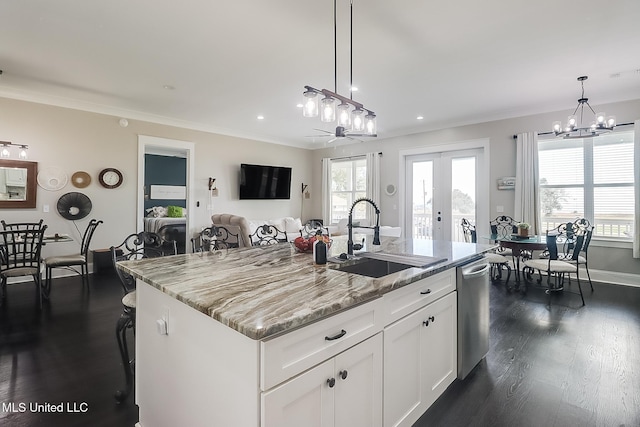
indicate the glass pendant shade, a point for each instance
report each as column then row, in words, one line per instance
column 601, row 119
column 572, row 121
column 327, row 110
column 23, row 153
column 370, row 124
column 344, row 117
column 5, row 152
column 557, row 127
column 310, row 104
column 357, row 120
column 611, row 121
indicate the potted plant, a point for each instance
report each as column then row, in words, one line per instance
column 523, row 229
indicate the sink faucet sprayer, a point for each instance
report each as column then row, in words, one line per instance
column 376, row 228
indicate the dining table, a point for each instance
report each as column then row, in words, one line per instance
column 521, row 246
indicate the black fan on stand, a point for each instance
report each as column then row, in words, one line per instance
column 73, row 206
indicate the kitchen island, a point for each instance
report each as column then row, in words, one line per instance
column 261, row 337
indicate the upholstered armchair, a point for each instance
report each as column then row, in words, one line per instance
column 235, row 224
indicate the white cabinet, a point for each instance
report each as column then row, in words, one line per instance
column 344, row 391
column 420, row 360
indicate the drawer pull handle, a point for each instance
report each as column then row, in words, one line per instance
column 335, row 337
column 428, row 291
column 331, row 382
column 430, row 319
column 343, row 374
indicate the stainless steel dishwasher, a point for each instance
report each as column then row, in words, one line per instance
column 473, row 315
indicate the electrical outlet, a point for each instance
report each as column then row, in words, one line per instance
column 499, row 209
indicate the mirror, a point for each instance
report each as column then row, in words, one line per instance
column 18, row 184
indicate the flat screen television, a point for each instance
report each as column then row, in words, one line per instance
column 264, row 182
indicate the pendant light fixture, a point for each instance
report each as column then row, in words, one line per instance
column 5, row 150
column 350, row 114
column 574, row 128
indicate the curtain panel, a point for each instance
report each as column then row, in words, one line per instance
column 636, row 189
column 527, row 197
column 373, row 184
column 326, row 191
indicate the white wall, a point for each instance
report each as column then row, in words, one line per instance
column 502, row 163
column 81, row 141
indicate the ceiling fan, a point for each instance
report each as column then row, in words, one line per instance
column 340, row 133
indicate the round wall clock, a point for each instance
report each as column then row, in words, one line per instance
column 110, row 178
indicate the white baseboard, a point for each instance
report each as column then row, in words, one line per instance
column 614, row 277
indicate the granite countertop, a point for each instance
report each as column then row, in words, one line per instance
column 265, row 290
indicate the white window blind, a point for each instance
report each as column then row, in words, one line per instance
column 348, row 183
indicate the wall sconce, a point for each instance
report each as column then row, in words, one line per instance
column 5, row 151
column 212, row 187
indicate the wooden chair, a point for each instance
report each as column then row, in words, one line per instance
column 68, row 262
column 497, row 262
column 20, row 256
column 135, row 246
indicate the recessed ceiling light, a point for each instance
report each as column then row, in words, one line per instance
column 420, row 117
column 260, row 117
column 168, row 87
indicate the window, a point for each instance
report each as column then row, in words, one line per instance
column 348, row 183
column 590, row 178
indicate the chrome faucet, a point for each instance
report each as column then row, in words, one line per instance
column 376, row 228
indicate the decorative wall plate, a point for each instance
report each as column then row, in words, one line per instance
column 52, row 178
column 74, row 206
column 110, row 178
column 80, row 179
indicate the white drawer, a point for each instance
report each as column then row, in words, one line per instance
column 410, row 298
column 287, row 355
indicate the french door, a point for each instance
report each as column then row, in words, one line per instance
column 441, row 189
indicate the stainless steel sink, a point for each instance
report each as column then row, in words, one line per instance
column 371, row 267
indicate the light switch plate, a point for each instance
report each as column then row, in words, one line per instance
column 500, row 209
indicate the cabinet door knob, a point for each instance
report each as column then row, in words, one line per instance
column 343, row 374
column 428, row 291
column 335, row 337
column 430, row 319
column 331, row 382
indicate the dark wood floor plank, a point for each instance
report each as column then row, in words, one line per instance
column 564, row 365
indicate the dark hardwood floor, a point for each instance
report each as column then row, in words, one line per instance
column 564, row 366
column 66, row 354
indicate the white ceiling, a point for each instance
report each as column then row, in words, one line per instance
column 453, row 62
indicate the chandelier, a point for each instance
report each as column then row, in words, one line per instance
column 574, row 128
column 350, row 115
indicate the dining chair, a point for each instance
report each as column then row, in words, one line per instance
column 216, row 238
column 267, row 234
column 582, row 256
column 497, row 262
column 20, row 256
column 135, row 246
column 68, row 262
column 22, row 226
column 564, row 239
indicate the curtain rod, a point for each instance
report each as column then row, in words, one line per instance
column 352, row 157
column 549, row 133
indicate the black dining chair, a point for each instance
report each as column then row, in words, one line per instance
column 497, row 262
column 20, row 256
column 564, row 244
column 68, row 262
column 135, row 246
column 22, row 226
column 267, row 234
column 215, row 238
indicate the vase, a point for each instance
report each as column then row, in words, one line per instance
column 523, row 232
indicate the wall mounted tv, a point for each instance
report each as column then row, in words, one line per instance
column 264, row 182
